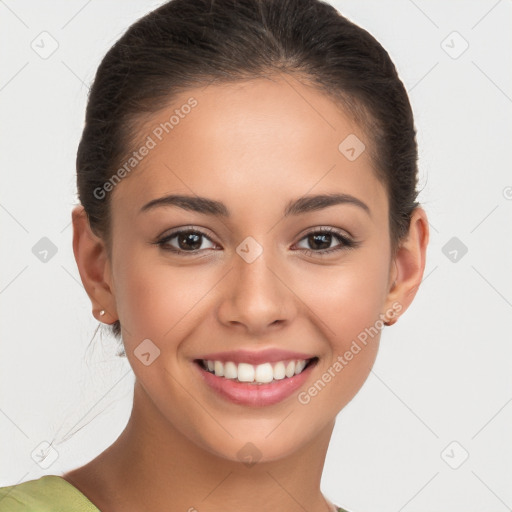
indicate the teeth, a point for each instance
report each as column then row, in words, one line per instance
column 218, row 369
column 279, row 371
column 261, row 373
column 245, row 372
column 264, row 373
column 299, row 367
column 230, row 371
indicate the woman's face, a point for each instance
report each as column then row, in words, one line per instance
column 259, row 275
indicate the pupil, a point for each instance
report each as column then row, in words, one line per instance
column 321, row 238
column 194, row 238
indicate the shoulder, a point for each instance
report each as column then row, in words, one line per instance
column 49, row 493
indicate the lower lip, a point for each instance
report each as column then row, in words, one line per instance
column 256, row 395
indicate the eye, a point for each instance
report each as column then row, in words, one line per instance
column 185, row 241
column 320, row 241
column 191, row 241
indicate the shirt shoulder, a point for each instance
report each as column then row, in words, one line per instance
column 49, row 493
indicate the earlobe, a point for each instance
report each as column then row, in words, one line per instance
column 409, row 266
column 94, row 267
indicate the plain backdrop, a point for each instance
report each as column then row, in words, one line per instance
column 431, row 428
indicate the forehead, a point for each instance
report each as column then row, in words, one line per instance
column 259, row 139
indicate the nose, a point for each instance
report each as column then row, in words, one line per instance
column 255, row 297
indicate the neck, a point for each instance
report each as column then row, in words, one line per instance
column 153, row 466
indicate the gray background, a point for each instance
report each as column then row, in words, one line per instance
column 441, row 389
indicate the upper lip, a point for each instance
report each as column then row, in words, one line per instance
column 270, row 355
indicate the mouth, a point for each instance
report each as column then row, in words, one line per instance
column 265, row 373
column 261, row 385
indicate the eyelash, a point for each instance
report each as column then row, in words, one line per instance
column 345, row 242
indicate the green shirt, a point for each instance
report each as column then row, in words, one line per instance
column 50, row 493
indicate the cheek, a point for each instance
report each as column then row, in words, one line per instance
column 156, row 300
column 348, row 297
column 346, row 302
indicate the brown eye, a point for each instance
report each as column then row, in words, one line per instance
column 321, row 242
column 189, row 241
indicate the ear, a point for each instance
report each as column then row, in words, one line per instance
column 408, row 266
column 94, row 267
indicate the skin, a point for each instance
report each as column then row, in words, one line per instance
column 255, row 146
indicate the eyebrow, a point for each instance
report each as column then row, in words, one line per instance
column 299, row 206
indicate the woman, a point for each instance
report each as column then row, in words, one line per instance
column 247, row 225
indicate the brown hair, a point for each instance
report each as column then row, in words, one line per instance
column 187, row 43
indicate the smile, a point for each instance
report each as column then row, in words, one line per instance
column 256, row 374
column 265, row 384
